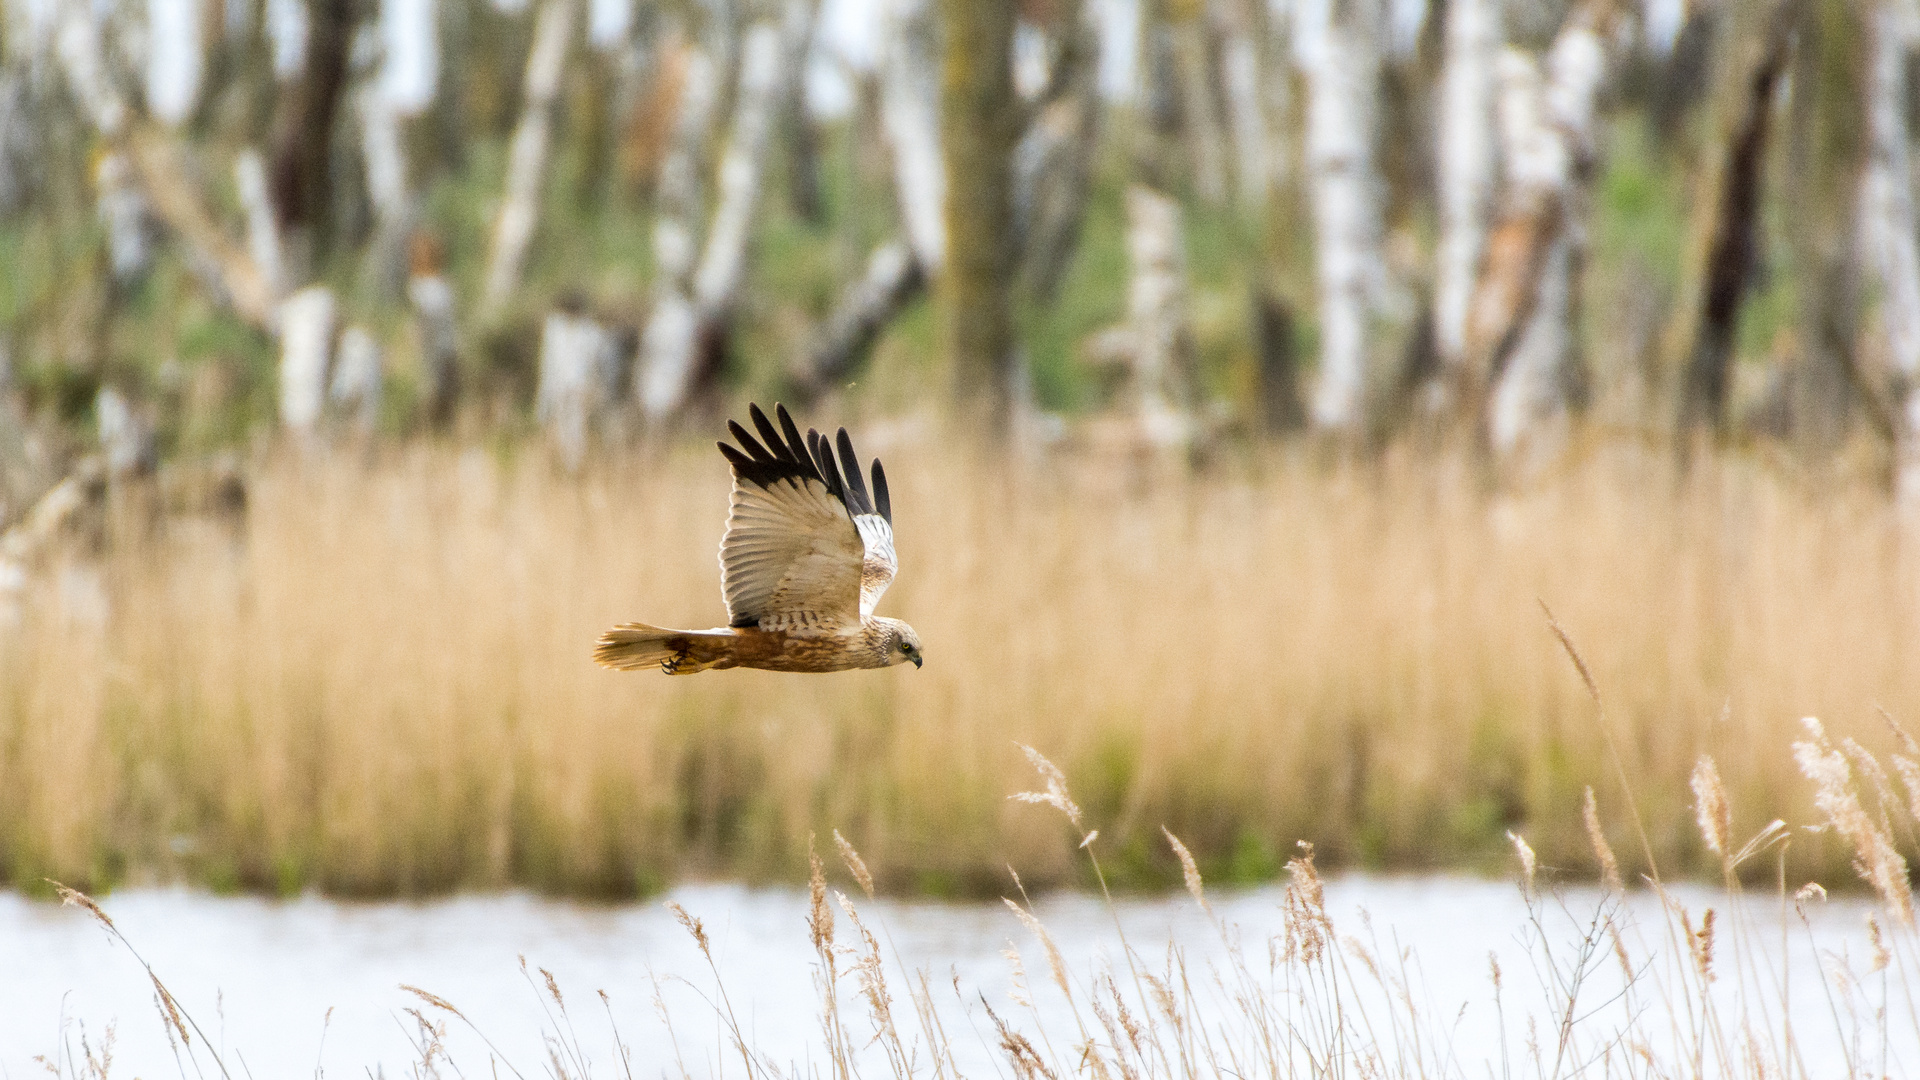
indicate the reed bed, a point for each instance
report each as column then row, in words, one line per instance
column 379, row 683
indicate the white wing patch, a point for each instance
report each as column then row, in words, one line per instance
column 880, row 563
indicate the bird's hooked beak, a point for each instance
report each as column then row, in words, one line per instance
column 916, row 662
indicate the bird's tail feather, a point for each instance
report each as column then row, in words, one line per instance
column 631, row 646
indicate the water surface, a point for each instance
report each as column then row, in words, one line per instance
column 260, row 976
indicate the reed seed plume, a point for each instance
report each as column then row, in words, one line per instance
column 871, row 972
column 1597, row 837
column 1701, row 941
column 70, row 897
column 432, row 999
column 693, row 926
column 1880, row 956
column 1189, row 870
column 1909, row 772
column 1875, row 858
column 1056, row 794
column 1528, row 863
column 855, row 864
column 1056, row 965
column 1017, row 979
column 819, row 915
column 1573, row 654
column 1710, row 808
column 1303, row 907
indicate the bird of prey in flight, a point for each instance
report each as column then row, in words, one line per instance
column 808, row 551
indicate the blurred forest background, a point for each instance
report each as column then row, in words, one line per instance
column 1251, row 371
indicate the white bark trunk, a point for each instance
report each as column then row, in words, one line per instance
column 1888, row 232
column 385, row 160
column 671, row 326
column 1546, row 123
column 910, row 111
column 1467, row 153
column 175, row 58
column 123, row 211
column 527, row 160
column 410, row 61
column 892, row 278
column 263, row 231
column 82, row 60
column 743, row 164
column 354, row 389
column 670, row 357
column 1246, row 97
column 575, row 352
column 1343, row 75
column 1162, row 360
column 306, row 353
column 433, row 314
column 1528, row 412
column 127, row 438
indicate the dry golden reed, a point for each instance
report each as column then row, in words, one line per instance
column 1710, row 808
column 382, row 684
column 1597, row 836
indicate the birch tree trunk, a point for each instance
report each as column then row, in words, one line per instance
column 527, row 160
column 673, row 366
column 1343, row 76
column 1163, row 385
column 1244, row 79
column 1053, row 162
column 1755, row 43
column 306, row 355
column 353, row 390
column 1467, row 159
column 123, row 212
column 977, row 135
column 176, row 57
column 263, row 231
column 1522, row 331
column 385, row 160
column 574, row 352
column 893, row 278
column 1890, row 233
column 898, row 270
column 910, row 111
column 676, row 224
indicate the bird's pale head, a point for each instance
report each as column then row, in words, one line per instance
column 903, row 645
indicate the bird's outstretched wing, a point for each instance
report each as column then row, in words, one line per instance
column 809, row 549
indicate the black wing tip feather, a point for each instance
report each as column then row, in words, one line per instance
column 862, row 503
column 776, row 455
column 881, row 500
column 780, row 453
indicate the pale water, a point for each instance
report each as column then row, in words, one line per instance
column 260, row 976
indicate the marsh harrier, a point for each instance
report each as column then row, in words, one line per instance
column 808, row 551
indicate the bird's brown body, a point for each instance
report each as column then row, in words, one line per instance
column 808, row 551
column 683, row 652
